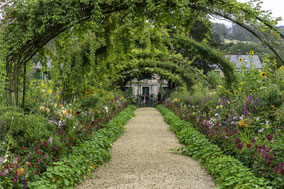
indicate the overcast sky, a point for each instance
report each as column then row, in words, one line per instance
column 276, row 6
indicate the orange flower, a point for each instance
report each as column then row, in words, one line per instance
column 54, row 179
column 20, row 171
column 241, row 123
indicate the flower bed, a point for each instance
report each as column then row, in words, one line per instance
column 85, row 157
column 33, row 142
column 228, row 171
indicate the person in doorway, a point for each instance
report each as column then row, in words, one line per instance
column 144, row 99
column 152, row 100
column 159, row 97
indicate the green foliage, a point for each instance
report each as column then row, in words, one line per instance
column 25, row 129
column 214, row 79
column 70, row 170
column 228, row 171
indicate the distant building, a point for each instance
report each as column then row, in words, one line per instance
column 152, row 86
column 37, row 71
column 240, row 61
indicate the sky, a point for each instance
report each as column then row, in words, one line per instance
column 276, row 6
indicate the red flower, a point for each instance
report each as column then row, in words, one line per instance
column 269, row 137
column 37, row 166
column 44, row 143
column 38, row 141
column 35, row 172
column 39, row 160
column 248, row 145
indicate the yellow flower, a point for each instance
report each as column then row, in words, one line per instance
column 50, row 91
column 20, row 171
column 241, row 60
column 41, row 108
column 55, row 105
column 60, row 105
column 263, row 74
column 42, row 84
column 241, row 123
column 251, row 53
column 246, row 125
column 47, row 110
column 242, row 83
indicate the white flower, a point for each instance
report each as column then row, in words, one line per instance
column 257, row 119
column 106, row 109
column 266, row 122
column 261, row 130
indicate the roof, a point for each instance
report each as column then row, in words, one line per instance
column 248, row 61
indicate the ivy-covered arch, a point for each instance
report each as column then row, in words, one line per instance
column 182, row 76
column 29, row 25
column 128, row 75
column 214, row 57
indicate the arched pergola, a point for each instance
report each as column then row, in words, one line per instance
column 29, row 25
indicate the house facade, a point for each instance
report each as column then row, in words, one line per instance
column 242, row 61
column 150, row 87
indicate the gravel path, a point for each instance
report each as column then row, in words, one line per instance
column 141, row 159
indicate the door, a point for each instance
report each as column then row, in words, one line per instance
column 145, row 90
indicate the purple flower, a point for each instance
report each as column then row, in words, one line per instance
column 246, row 112
column 266, row 156
column 46, row 155
column 35, row 172
column 269, row 137
column 282, row 164
column 240, row 146
column 248, row 145
column 2, row 174
column 276, row 170
column 252, row 140
column 238, row 140
column 15, row 179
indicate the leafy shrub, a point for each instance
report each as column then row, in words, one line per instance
column 26, row 129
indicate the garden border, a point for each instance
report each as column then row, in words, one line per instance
column 228, row 171
column 70, row 169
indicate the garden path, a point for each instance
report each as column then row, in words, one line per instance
column 141, row 159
